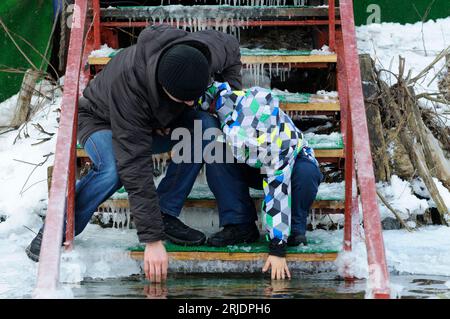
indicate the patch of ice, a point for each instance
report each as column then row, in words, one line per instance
column 324, row 50
column 424, row 251
column 100, row 253
column 328, row 94
column 104, row 52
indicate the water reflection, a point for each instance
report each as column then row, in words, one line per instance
column 155, row 290
column 319, row 286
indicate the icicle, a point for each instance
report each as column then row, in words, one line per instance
column 313, row 219
column 128, row 212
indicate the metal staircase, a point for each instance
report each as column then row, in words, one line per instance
column 95, row 26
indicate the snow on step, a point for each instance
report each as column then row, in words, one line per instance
column 327, row 191
column 239, row 13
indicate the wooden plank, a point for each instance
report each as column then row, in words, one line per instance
column 261, row 59
column 222, row 256
column 311, row 107
column 332, row 153
column 81, row 152
column 98, row 61
column 257, row 59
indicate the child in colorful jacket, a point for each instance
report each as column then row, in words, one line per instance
column 261, row 135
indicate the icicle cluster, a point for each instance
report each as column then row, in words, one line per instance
column 260, row 71
column 260, row 3
column 120, row 217
column 255, row 2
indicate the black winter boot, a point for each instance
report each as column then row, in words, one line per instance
column 234, row 234
column 295, row 240
column 34, row 248
column 181, row 234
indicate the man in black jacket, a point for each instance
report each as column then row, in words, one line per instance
column 144, row 89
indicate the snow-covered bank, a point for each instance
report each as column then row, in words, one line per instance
column 418, row 43
column 424, row 251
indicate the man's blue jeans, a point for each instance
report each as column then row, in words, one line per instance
column 305, row 181
column 229, row 182
column 103, row 180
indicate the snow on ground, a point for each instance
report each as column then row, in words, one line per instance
column 104, row 51
column 423, row 251
column 400, row 195
column 7, row 111
column 418, row 43
column 23, row 199
column 100, row 253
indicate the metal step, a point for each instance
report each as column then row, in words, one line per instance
column 319, row 153
column 250, row 257
column 275, row 57
column 315, row 251
column 325, row 146
column 201, row 196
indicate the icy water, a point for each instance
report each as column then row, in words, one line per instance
column 322, row 286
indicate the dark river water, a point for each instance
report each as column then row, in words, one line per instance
column 318, row 286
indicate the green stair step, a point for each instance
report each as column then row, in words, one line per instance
column 327, row 192
column 316, row 141
column 251, row 52
column 267, row 52
column 213, row 12
column 313, row 247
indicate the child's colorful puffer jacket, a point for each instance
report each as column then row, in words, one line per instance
column 261, row 135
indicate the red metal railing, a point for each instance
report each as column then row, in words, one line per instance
column 378, row 272
column 332, row 25
column 63, row 181
column 353, row 124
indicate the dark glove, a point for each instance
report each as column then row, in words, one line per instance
column 277, row 247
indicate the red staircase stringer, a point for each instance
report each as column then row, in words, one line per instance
column 63, row 175
column 378, row 272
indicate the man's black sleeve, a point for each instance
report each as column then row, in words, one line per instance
column 132, row 144
column 233, row 65
column 226, row 58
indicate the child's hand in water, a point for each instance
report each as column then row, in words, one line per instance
column 279, row 267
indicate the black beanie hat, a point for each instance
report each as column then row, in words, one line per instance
column 184, row 72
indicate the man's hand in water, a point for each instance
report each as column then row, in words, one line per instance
column 279, row 267
column 156, row 261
